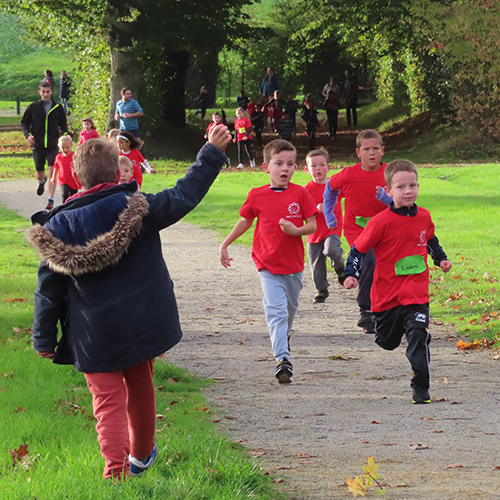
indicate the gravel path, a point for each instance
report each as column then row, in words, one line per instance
column 349, row 400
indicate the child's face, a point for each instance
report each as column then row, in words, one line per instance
column 65, row 148
column 216, row 118
column 87, row 126
column 404, row 189
column 318, row 167
column 370, row 153
column 280, row 169
column 123, row 144
column 126, row 173
column 240, row 114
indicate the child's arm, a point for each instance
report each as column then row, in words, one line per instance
column 241, row 227
column 435, row 250
column 329, row 200
column 149, row 169
column 247, row 135
column 382, row 196
column 353, row 267
column 290, row 228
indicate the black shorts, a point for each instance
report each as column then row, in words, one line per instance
column 42, row 155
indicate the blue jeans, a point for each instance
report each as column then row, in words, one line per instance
column 281, row 301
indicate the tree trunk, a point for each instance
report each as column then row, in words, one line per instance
column 174, row 75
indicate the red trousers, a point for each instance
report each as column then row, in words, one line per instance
column 124, row 405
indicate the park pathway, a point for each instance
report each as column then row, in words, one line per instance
column 349, row 400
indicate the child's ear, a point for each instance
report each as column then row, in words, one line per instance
column 357, row 152
column 264, row 167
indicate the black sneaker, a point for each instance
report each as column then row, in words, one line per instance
column 321, row 297
column 50, row 205
column 366, row 321
column 420, row 396
column 340, row 275
column 284, row 371
column 41, row 186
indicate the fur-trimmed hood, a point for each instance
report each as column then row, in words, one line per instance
column 97, row 254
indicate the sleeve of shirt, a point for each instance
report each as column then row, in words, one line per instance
column 329, row 201
column 246, row 211
column 138, row 107
column 354, row 263
column 310, row 208
column 370, row 236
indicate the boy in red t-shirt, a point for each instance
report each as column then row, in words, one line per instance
column 401, row 236
column 359, row 188
column 324, row 242
column 243, row 137
column 63, row 169
column 284, row 212
column 216, row 120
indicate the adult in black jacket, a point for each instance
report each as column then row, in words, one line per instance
column 43, row 122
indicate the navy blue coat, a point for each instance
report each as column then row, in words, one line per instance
column 103, row 276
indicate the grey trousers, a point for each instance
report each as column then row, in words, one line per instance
column 318, row 253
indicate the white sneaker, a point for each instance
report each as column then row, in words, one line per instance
column 241, row 166
column 252, row 163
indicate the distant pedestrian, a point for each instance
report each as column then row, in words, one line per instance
column 242, row 100
column 310, row 117
column 243, row 137
column 49, row 77
column 332, row 104
column 64, row 90
column 43, row 122
column 204, row 101
column 270, row 83
column 127, row 112
column 285, row 127
column 350, row 96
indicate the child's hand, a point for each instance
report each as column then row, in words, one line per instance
column 224, row 257
column 288, row 227
column 219, row 136
column 377, row 190
column 320, row 208
column 350, row 282
column 445, row 265
column 153, row 171
column 46, row 354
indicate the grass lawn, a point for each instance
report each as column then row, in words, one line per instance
column 48, row 408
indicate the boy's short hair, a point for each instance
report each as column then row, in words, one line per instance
column 216, row 114
column 123, row 160
column 398, row 166
column 368, row 134
column 96, row 162
column 318, row 152
column 276, row 147
column 46, row 85
column 124, row 89
column 65, row 138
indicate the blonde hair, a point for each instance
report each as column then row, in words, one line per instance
column 368, row 134
column 398, row 166
column 318, row 152
column 243, row 110
column 123, row 160
column 113, row 133
column 96, row 162
column 276, row 147
column 65, row 138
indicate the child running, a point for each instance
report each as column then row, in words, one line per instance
column 401, row 236
column 63, row 169
column 129, row 146
column 88, row 132
column 324, row 243
column 216, row 120
column 359, row 187
column 103, row 277
column 243, row 137
column 310, row 117
column 284, row 212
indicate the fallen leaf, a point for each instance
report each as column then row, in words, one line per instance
column 341, row 358
column 258, row 452
column 416, row 447
column 437, row 432
column 306, row 455
column 277, row 481
column 284, row 467
column 455, row 466
column 375, row 422
column 426, row 418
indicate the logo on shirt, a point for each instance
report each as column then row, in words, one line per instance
column 294, row 208
column 423, row 235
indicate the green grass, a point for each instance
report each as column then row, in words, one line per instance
column 463, row 201
column 48, row 407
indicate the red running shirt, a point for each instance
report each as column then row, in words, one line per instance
column 240, row 127
column 393, row 237
column 358, row 187
column 322, row 232
column 272, row 249
column 63, row 169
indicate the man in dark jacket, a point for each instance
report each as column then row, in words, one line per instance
column 42, row 123
column 103, row 277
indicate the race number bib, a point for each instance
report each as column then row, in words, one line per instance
column 413, row 264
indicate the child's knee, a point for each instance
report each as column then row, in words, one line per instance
column 388, row 344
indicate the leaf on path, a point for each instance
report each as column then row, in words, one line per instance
column 389, row 444
column 435, row 431
column 278, row 481
column 455, row 466
column 356, row 486
column 426, row 418
column 284, row 467
column 305, row 455
column 316, row 415
column 258, row 452
column 416, row 447
column 476, row 345
column 375, row 422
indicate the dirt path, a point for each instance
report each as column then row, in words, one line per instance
column 349, row 399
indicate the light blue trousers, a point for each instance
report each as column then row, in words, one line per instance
column 281, row 301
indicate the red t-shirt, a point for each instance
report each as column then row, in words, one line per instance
column 241, row 126
column 272, row 249
column 322, row 232
column 213, row 124
column 85, row 136
column 136, row 158
column 393, row 237
column 251, row 108
column 358, row 187
column 63, row 169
